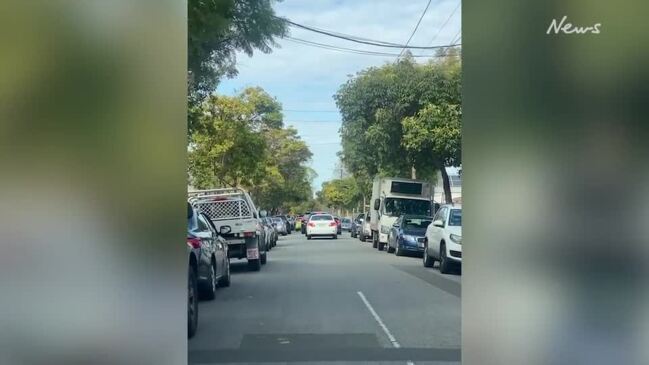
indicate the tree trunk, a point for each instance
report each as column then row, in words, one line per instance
column 446, row 184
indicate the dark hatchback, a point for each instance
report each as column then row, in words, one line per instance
column 408, row 234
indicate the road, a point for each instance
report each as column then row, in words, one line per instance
column 322, row 301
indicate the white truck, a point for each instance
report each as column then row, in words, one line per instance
column 236, row 218
column 393, row 197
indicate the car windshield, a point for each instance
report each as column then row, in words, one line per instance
column 416, row 223
column 455, row 217
column 346, row 220
column 322, row 217
column 395, row 207
column 277, row 219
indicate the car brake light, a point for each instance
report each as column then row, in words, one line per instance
column 193, row 242
column 311, row 224
column 333, row 224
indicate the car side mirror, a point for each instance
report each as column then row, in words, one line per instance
column 225, row 229
column 395, row 225
column 438, row 223
column 263, row 213
column 377, row 204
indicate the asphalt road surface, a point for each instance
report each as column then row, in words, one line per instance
column 326, row 301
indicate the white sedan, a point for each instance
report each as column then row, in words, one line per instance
column 322, row 225
column 444, row 239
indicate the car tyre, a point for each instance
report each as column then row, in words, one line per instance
column 391, row 249
column 208, row 290
column 308, row 236
column 428, row 261
column 444, row 264
column 335, row 236
column 225, row 279
column 192, row 303
column 398, row 251
column 263, row 258
column 375, row 240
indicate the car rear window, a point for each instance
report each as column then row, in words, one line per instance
column 322, row 218
column 416, row 223
column 277, row 219
column 346, row 220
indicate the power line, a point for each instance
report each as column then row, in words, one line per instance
column 458, row 34
column 415, row 30
column 356, row 39
column 446, row 22
column 352, row 50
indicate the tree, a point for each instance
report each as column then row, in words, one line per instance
column 374, row 105
column 340, row 193
column 217, row 29
column 224, row 149
column 436, row 131
column 241, row 141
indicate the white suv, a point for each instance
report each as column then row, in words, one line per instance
column 444, row 239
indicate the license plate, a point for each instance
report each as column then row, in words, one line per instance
column 236, row 241
column 252, row 253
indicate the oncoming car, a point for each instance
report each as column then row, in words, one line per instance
column 322, row 225
column 444, row 239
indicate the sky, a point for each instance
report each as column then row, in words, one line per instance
column 305, row 78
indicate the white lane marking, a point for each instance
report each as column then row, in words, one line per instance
column 378, row 319
column 387, row 332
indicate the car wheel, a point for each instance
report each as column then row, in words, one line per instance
column 380, row 246
column 225, row 279
column 398, row 251
column 390, row 249
column 263, row 258
column 428, row 261
column 444, row 264
column 308, row 237
column 335, row 236
column 375, row 240
column 209, row 287
column 192, row 303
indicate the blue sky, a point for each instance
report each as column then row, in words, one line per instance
column 304, row 78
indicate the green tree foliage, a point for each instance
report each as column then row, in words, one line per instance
column 217, row 29
column 241, row 141
column 340, row 193
column 385, row 108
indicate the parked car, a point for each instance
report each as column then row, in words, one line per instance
column 278, row 222
column 287, row 223
column 291, row 223
column 408, row 234
column 193, row 254
column 305, row 221
column 346, row 224
column 213, row 263
column 357, row 223
column 444, row 239
column 366, row 229
column 233, row 209
column 321, row 225
column 271, row 234
column 339, row 229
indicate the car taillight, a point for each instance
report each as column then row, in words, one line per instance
column 333, row 224
column 193, row 242
column 248, row 234
column 311, row 224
